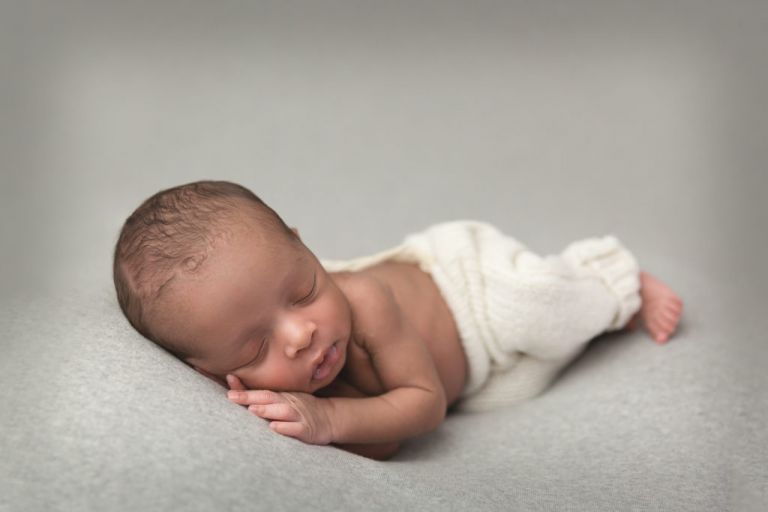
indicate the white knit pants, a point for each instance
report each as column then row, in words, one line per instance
column 541, row 312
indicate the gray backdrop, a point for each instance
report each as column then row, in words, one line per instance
column 362, row 121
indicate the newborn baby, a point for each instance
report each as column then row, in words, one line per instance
column 369, row 352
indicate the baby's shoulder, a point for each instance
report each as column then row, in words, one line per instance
column 371, row 302
column 367, row 294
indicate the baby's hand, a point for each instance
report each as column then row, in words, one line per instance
column 298, row 415
column 235, row 383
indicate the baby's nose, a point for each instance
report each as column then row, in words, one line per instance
column 300, row 338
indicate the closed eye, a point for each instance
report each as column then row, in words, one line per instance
column 311, row 293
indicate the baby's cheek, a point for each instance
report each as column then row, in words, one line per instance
column 262, row 377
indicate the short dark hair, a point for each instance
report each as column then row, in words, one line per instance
column 172, row 232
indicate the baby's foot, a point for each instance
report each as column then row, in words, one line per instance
column 661, row 309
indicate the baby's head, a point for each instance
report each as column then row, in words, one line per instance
column 211, row 273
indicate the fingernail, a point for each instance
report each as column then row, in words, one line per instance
column 233, row 395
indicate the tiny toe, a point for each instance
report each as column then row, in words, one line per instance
column 670, row 318
column 655, row 328
column 658, row 322
column 660, row 332
column 667, row 329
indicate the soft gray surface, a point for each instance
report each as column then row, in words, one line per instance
column 361, row 122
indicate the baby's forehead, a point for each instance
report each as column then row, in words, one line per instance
column 248, row 222
column 262, row 245
column 258, row 248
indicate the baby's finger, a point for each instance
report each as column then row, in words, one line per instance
column 235, row 383
column 281, row 411
column 288, row 428
column 258, row 396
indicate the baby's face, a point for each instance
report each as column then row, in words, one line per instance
column 272, row 317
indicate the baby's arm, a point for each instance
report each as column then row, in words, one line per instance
column 414, row 404
column 378, row 451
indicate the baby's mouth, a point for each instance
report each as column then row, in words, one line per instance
column 327, row 363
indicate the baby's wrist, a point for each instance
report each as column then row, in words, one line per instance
column 329, row 411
